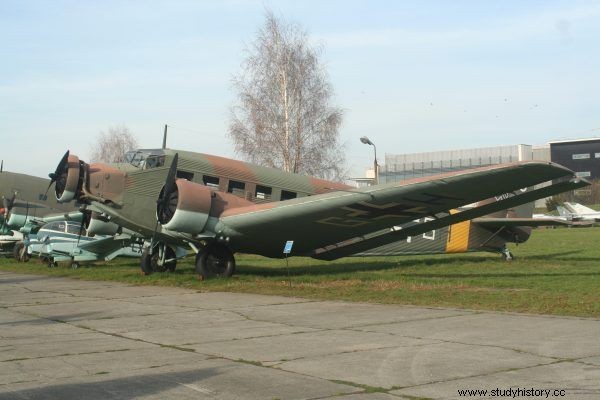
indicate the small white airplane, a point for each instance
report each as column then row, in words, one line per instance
column 578, row 212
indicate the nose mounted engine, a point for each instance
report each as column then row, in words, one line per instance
column 67, row 177
column 184, row 206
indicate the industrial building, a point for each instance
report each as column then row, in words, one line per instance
column 579, row 155
column 399, row 167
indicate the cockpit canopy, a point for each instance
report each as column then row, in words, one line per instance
column 145, row 158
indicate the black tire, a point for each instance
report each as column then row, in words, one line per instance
column 20, row 252
column 171, row 265
column 215, row 262
column 146, row 262
column 75, row 265
column 149, row 263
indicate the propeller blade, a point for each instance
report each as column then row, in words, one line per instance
column 170, row 182
column 59, row 169
column 82, row 210
column 168, row 189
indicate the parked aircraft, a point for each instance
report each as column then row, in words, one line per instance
column 25, row 204
column 220, row 206
column 68, row 241
column 579, row 212
column 24, row 197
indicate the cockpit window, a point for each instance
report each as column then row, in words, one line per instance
column 74, row 229
column 145, row 159
column 55, row 226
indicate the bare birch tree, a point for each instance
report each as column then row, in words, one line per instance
column 111, row 146
column 283, row 117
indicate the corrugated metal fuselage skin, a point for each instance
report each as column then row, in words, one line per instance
column 137, row 205
column 30, row 189
column 458, row 238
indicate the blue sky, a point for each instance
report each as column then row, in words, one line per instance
column 412, row 75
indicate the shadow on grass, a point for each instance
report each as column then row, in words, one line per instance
column 356, row 266
column 350, row 265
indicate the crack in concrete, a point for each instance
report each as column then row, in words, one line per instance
column 485, row 374
column 64, row 355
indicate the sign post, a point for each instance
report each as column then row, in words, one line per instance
column 287, row 249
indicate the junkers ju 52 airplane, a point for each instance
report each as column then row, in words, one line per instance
column 220, row 206
column 25, row 204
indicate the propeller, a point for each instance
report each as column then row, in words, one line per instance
column 82, row 210
column 60, row 174
column 167, row 195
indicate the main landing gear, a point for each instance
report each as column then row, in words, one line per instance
column 20, row 252
column 160, row 258
column 215, row 260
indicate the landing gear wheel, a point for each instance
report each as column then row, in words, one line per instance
column 52, row 263
column 75, row 265
column 146, row 262
column 20, row 252
column 215, row 261
column 152, row 261
column 507, row 255
column 170, row 255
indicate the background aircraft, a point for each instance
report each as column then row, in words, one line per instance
column 25, row 204
column 67, row 241
column 578, row 212
column 220, row 206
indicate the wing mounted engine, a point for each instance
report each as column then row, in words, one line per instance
column 186, row 206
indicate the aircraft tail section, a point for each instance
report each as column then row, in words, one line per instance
column 577, row 208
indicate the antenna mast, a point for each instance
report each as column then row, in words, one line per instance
column 165, row 138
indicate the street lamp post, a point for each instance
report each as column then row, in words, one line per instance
column 366, row 140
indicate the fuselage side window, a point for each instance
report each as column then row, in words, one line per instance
column 211, row 181
column 263, row 192
column 285, row 195
column 237, row 188
column 189, row 176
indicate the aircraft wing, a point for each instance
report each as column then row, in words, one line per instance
column 105, row 245
column 326, row 220
column 494, row 223
column 145, row 231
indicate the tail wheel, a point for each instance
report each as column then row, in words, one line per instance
column 215, row 261
column 507, row 255
column 20, row 252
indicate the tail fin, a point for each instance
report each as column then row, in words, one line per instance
column 577, row 208
column 563, row 212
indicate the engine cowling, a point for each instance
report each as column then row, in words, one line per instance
column 98, row 225
column 67, row 183
column 187, row 209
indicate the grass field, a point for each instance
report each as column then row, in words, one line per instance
column 556, row 272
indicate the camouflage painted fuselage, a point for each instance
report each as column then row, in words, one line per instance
column 136, row 194
column 31, row 200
